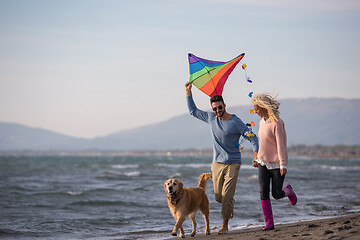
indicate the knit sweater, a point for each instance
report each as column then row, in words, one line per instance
column 272, row 142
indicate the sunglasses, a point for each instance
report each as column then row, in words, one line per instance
column 216, row 108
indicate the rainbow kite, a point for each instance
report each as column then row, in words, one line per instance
column 210, row 76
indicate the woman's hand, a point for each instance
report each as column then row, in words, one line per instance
column 283, row 171
column 255, row 163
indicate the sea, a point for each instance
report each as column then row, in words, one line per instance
column 123, row 197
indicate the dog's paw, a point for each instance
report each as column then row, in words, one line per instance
column 193, row 234
column 173, row 234
column 207, row 233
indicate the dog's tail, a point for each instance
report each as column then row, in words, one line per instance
column 203, row 180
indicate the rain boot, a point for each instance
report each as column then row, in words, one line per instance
column 289, row 192
column 266, row 206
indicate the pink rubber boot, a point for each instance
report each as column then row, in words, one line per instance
column 266, row 206
column 289, row 192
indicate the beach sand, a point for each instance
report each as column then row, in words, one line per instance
column 345, row 227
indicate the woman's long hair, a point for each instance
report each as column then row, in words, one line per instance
column 269, row 103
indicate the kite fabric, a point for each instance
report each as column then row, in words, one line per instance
column 210, row 76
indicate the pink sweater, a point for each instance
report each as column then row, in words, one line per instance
column 272, row 142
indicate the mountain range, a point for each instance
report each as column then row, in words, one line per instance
column 310, row 121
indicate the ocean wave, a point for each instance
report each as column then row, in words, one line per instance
column 18, row 234
column 246, row 226
column 119, row 166
column 73, row 193
column 132, row 174
column 100, row 203
column 253, row 177
column 247, row 167
column 337, row 168
column 119, row 203
column 119, row 175
column 90, row 192
column 197, row 165
column 175, row 175
column 187, row 165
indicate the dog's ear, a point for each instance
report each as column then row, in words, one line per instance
column 165, row 183
column 181, row 184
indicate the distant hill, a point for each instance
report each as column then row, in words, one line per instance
column 15, row 136
column 310, row 121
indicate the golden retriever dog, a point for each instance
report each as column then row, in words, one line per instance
column 185, row 202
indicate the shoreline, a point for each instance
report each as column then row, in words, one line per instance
column 200, row 153
column 311, row 151
column 343, row 227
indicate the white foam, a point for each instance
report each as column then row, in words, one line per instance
column 250, row 178
column 247, row 167
column 72, row 193
column 336, row 168
column 118, row 166
column 132, row 174
column 175, row 175
column 190, row 165
column 119, row 174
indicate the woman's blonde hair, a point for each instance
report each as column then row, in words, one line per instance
column 269, row 103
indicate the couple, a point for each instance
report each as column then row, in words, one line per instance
column 270, row 158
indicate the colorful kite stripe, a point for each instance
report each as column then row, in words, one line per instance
column 210, row 76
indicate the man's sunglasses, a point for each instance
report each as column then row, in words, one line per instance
column 216, row 108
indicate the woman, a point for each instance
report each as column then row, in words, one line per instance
column 272, row 156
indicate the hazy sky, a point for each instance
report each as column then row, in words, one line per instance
column 87, row 68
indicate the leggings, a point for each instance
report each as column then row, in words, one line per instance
column 264, row 181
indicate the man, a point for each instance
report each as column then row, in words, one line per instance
column 226, row 130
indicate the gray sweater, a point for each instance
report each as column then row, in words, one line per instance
column 225, row 134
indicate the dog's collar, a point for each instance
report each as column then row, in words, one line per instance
column 177, row 200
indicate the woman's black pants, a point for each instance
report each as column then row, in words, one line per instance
column 265, row 175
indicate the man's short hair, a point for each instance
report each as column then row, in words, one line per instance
column 216, row 98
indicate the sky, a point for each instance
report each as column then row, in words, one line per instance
column 88, row 68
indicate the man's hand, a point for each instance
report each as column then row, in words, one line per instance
column 188, row 86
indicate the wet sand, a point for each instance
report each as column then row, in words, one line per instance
column 345, row 227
